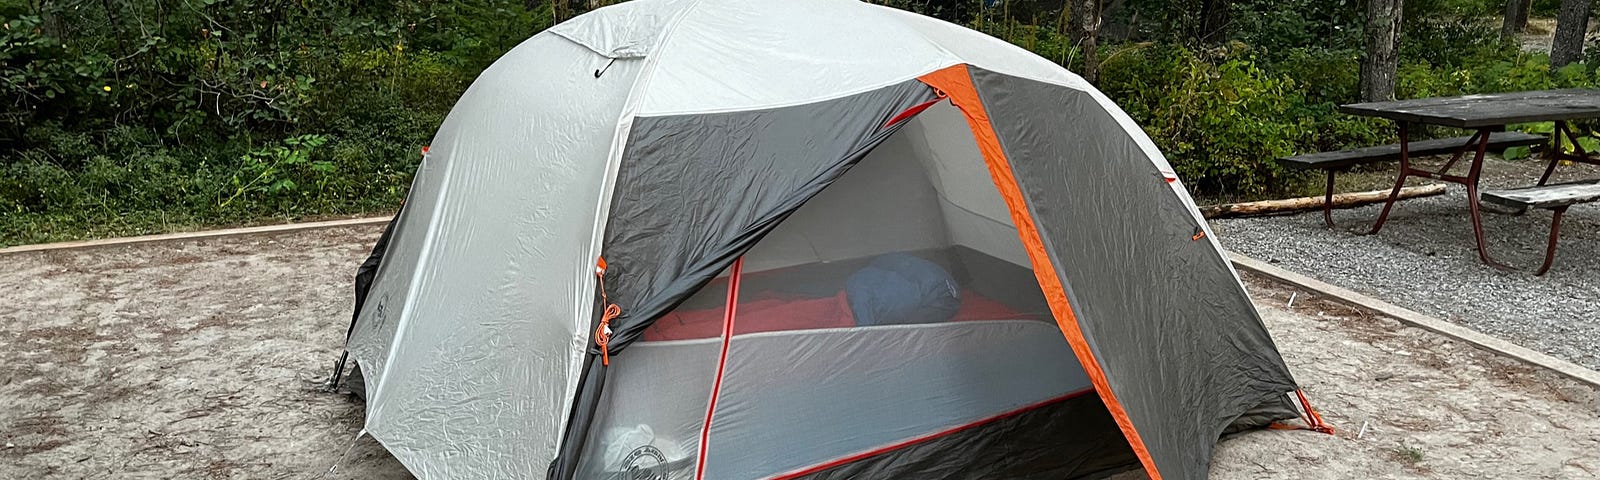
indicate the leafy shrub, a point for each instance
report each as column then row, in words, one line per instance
column 226, row 111
column 1545, row 8
column 1219, row 125
column 1453, row 8
column 1451, row 41
column 133, row 117
column 1042, row 40
column 1289, row 25
column 1504, row 70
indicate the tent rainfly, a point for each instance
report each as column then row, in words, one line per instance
column 737, row 239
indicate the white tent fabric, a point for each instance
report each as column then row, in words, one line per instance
column 478, row 319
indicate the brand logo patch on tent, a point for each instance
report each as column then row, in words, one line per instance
column 645, row 463
column 380, row 316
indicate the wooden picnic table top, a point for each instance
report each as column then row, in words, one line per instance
column 1487, row 110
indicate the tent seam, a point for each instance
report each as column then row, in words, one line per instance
column 796, row 103
column 619, row 138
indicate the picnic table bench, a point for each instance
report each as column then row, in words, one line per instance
column 1332, row 162
column 1487, row 115
column 1556, row 198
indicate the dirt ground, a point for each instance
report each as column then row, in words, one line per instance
column 199, row 359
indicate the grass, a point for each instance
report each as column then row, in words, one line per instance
column 1406, row 453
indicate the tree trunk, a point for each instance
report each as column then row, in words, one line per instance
column 1516, row 20
column 1383, row 45
column 1572, row 23
column 1214, row 18
column 1085, row 29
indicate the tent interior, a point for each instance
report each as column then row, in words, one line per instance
column 891, row 326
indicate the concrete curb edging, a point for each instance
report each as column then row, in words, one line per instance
column 1409, row 317
column 107, row 242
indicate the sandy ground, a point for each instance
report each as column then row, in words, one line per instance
column 181, row 360
column 198, row 360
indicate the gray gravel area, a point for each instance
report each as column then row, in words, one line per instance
column 1425, row 259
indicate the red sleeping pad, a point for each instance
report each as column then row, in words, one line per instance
column 770, row 312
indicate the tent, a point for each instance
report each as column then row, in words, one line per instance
column 729, row 239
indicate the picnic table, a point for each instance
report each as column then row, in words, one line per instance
column 1488, row 115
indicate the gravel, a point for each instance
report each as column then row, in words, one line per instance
column 1425, row 260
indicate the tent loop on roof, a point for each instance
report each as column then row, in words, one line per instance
column 601, row 71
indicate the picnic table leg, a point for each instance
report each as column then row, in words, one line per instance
column 1555, row 233
column 1445, row 170
column 1555, row 153
column 1327, row 201
column 1399, row 181
column 1472, row 201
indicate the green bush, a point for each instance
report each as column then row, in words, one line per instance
column 1504, row 70
column 134, row 117
column 1545, row 8
column 1451, row 41
column 1291, row 25
column 1221, row 124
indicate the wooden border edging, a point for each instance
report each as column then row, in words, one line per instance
column 1409, row 317
column 108, row 242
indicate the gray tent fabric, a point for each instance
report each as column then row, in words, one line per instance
column 1026, row 445
column 863, row 391
column 1177, row 337
column 727, row 179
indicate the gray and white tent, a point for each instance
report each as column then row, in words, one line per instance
column 731, row 239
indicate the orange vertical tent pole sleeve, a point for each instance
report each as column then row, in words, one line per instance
column 729, row 315
column 956, row 82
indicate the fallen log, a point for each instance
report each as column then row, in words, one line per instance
column 1342, row 200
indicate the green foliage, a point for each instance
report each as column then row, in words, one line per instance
column 1502, row 70
column 1328, row 76
column 1289, row 25
column 127, row 117
column 134, row 117
column 272, row 171
column 1451, row 41
column 1545, row 8
column 1224, row 143
column 1045, row 41
column 1407, row 453
column 1586, row 138
column 1222, row 122
column 1453, row 8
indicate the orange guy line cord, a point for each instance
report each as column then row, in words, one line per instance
column 602, row 334
column 1313, row 419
